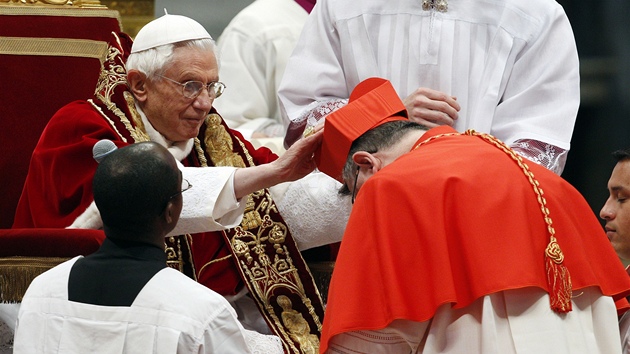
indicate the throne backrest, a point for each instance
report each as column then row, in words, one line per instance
column 49, row 56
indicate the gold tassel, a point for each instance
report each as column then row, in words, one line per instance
column 558, row 278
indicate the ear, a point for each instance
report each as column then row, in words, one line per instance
column 137, row 82
column 169, row 213
column 367, row 160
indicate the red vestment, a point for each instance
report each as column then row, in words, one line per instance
column 452, row 221
column 58, row 189
column 62, row 168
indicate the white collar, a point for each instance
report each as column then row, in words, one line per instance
column 179, row 149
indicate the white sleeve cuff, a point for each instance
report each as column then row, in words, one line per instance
column 313, row 209
column 210, row 205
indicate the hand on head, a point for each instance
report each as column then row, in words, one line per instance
column 298, row 160
column 295, row 163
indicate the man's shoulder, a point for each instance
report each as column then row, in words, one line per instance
column 76, row 112
column 52, row 282
column 188, row 297
column 76, row 106
column 263, row 18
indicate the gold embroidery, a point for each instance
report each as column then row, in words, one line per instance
column 174, row 258
column 202, row 157
column 250, row 160
column 139, row 132
column 251, row 217
column 264, row 274
column 268, row 272
column 178, row 255
column 219, row 144
column 109, row 79
column 109, row 120
column 298, row 327
column 213, row 262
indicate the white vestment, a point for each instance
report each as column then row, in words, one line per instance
column 171, row 314
column 509, row 322
column 311, row 207
column 314, row 212
column 210, row 206
column 254, row 49
column 512, row 64
column 624, row 329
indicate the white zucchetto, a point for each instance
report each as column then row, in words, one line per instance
column 166, row 30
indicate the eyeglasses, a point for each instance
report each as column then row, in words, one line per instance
column 185, row 186
column 192, row 89
column 354, row 189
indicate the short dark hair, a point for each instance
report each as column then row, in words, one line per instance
column 381, row 137
column 621, row 155
column 133, row 184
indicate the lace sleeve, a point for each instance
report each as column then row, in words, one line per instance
column 313, row 209
column 549, row 156
column 262, row 344
column 6, row 338
column 309, row 118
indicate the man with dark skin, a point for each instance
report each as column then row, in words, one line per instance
column 121, row 297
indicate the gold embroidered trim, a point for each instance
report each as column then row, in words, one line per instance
column 246, row 152
column 175, row 255
column 59, row 11
column 298, row 327
column 219, row 144
column 174, row 258
column 266, row 269
column 58, row 47
column 139, row 132
column 202, row 158
column 110, row 78
column 111, row 122
column 213, row 262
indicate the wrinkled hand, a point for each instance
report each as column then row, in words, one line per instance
column 298, row 160
column 295, row 163
column 431, row 107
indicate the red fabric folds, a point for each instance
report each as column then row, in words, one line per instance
column 35, row 86
column 48, row 242
column 433, row 228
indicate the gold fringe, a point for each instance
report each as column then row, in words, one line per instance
column 17, row 273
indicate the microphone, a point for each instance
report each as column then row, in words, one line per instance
column 102, row 148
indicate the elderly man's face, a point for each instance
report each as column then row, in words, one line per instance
column 179, row 118
column 616, row 210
